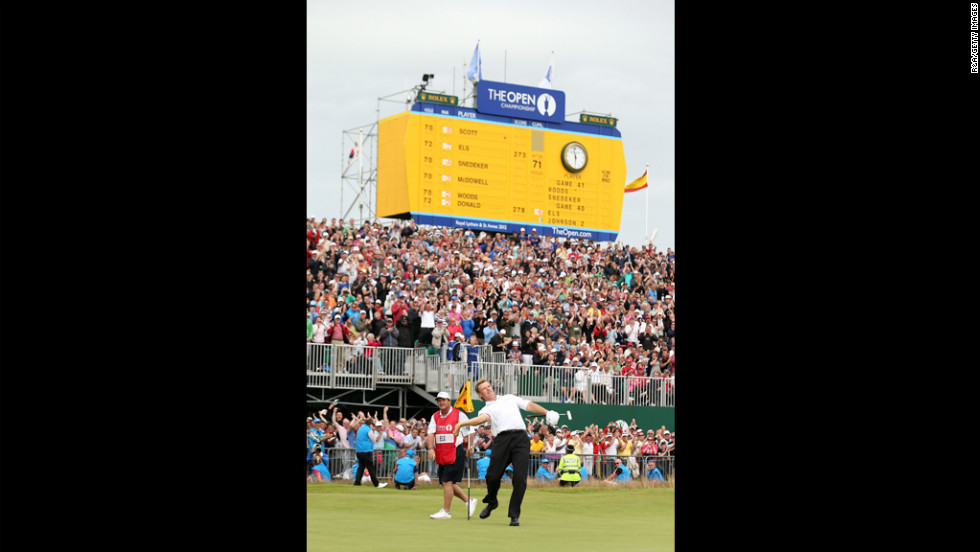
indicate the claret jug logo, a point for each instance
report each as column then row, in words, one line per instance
column 547, row 105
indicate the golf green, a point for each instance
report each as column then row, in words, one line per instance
column 340, row 516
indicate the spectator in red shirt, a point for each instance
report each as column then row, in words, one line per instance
column 398, row 309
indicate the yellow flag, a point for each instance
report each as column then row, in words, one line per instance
column 465, row 400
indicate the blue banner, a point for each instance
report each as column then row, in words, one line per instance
column 523, row 102
column 511, row 227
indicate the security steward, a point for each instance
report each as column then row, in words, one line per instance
column 569, row 468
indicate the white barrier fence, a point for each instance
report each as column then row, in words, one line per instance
column 357, row 367
column 342, row 462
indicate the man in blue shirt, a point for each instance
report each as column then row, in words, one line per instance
column 490, row 331
column 620, row 472
column 473, row 359
column 320, row 466
column 653, row 473
column 406, row 471
column 352, row 313
column 481, row 466
column 467, row 324
column 314, row 438
column 534, row 240
column 544, row 473
column 364, row 448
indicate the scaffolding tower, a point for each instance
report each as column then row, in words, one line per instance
column 359, row 176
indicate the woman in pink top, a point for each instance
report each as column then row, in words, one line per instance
column 319, row 331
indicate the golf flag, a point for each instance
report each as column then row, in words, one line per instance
column 546, row 81
column 475, row 70
column 465, row 401
column 637, row 184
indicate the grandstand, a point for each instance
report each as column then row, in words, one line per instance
column 580, row 325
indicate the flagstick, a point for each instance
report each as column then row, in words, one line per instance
column 646, row 216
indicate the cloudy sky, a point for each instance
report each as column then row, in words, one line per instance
column 612, row 58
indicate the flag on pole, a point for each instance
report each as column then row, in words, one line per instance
column 637, row 184
column 465, row 401
column 351, row 157
column 546, row 81
column 475, row 70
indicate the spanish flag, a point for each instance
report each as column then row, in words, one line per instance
column 465, row 400
column 637, row 184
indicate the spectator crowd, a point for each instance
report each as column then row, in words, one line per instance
column 599, row 311
column 613, row 452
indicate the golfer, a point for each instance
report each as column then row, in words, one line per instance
column 510, row 443
column 447, row 448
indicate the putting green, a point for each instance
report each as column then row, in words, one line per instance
column 340, row 516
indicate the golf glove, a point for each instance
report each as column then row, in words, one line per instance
column 551, row 417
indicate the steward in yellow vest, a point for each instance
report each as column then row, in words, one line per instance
column 569, row 467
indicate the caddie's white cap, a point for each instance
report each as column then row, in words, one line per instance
column 442, row 395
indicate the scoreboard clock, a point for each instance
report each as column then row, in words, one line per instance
column 574, row 157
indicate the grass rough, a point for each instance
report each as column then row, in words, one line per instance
column 340, row 516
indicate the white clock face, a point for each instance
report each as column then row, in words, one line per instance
column 575, row 157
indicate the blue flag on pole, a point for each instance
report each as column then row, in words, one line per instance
column 546, row 81
column 475, row 70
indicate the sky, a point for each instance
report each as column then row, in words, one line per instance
column 615, row 58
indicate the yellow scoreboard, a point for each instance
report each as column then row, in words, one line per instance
column 450, row 166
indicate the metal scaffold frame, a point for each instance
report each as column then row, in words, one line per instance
column 360, row 177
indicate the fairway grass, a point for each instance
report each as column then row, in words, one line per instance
column 340, row 516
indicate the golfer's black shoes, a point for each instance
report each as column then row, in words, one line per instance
column 514, row 522
column 486, row 511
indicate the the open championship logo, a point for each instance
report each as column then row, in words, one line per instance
column 547, row 105
column 522, row 102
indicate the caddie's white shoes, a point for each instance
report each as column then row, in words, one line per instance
column 472, row 506
column 382, row 485
column 441, row 514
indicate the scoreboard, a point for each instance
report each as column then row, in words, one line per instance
column 449, row 166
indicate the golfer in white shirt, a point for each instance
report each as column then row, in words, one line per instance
column 510, row 443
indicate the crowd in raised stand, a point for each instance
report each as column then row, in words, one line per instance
column 647, row 453
column 607, row 308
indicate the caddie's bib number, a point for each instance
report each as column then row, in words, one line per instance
column 444, row 438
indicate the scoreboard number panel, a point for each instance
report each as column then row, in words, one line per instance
column 478, row 171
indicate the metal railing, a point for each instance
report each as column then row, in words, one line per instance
column 341, row 462
column 560, row 385
column 362, row 367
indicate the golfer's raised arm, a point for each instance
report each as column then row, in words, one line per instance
column 481, row 419
column 536, row 408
